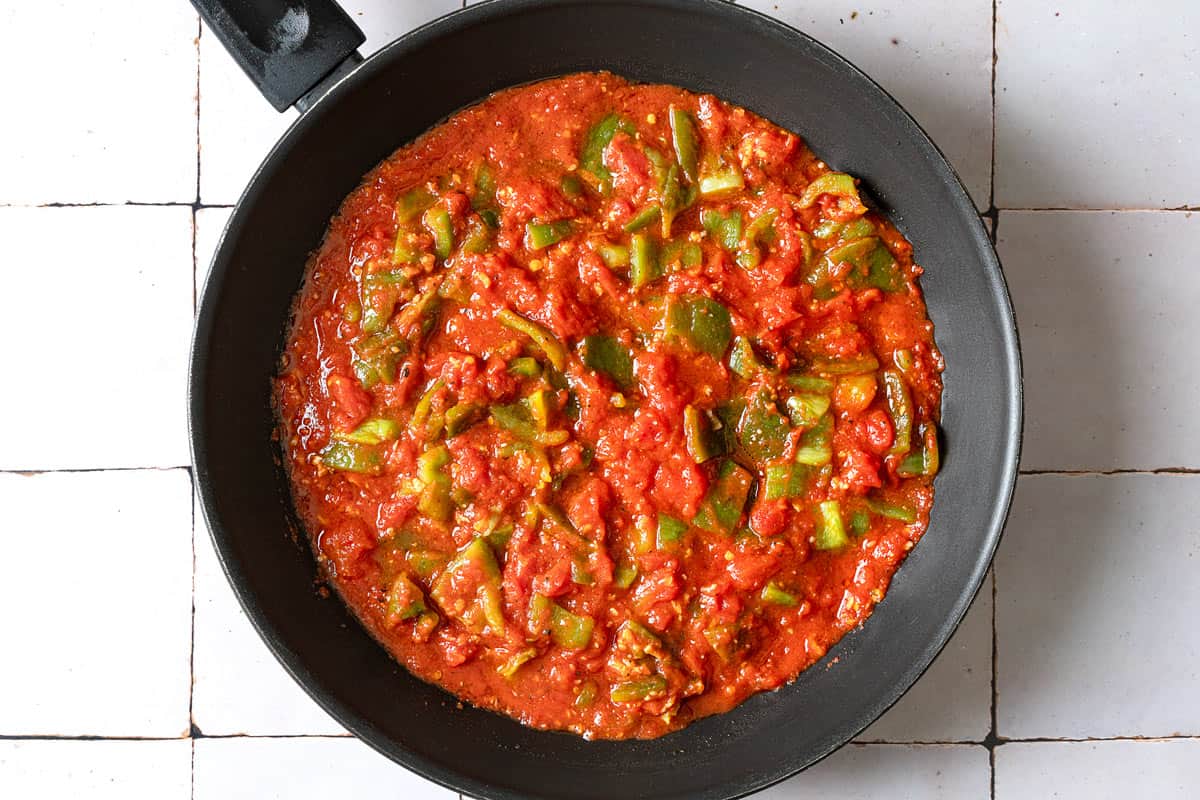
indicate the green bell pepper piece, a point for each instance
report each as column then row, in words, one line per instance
column 805, row 410
column 541, row 336
column 644, row 266
column 670, row 531
column 816, row 445
column 352, row 457
column 474, row 565
column 614, row 255
column 762, row 431
column 591, row 157
column 540, row 235
column 892, row 510
column 899, row 404
column 702, row 441
column 773, row 593
column 373, row 431
column 831, row 532
column 405, row 600
column 412, row 204
column 525, row 367
column 638, row 690
column 437, row 221
column 837, row 184
column 645, row 217
column 702, row 322
column 721, row 509
column 605, row 354
column 685, row 141
column 726, row 229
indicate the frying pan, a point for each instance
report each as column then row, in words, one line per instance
column 302, row 52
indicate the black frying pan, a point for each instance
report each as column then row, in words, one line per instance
column 362, row 113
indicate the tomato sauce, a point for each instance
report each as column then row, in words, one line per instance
column 608, row 405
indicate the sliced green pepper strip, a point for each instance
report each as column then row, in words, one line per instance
column 809, row 383
column 721, row 509
column 437, row 221
column 773, row 593
column 461, row 416
column 816, row 445
column 645, row 217
column 644, row 266
column 373, row 431
column 435, row 500
column 721, row 183
column 514, row 662
column 540, row 235
column 806, row 409
column 485, row 187
column 423, row 416
column 605, row 354
column 856, row 229
column 860, row 522
column 726, row 229
column 783, row 481
column 411, row 204
column 478, row 238
column 525, row 367
column 854, row 365
column 625, row 575
column 673, row 200
column 404, row 600
column 571, row 186
column 744, row 361
column 701, row 321
column 892, row 510
column 923, row 461
column 541, row 336
column 614, row 255
column 687, row 146
column 702, row 441
column 837, row 184
column 762, row 431
column 670, row 531
column 351, row 457
column 681, row 254
column 638, row 690
column 483, row 610
column 899, row 404
column 568, row 630
column 591, row 157
column 831, row 532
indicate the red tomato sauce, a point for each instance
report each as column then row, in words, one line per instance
column 609, row 405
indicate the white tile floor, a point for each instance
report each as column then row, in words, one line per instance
column 1083, row 641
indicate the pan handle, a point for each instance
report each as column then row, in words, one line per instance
column 293, row 50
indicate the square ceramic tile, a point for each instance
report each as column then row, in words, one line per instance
column 99, row 102
column 239, row 687
column 210, row 223
column 1106, row 305
column 103, row 770
column 100, row 297
column 1096, row 104
column 238, row 127
column 952, row 701
column 934, row 56
column 97, row 636
column 1096, row 608
column 892, row 772
column 1163, row 770
column 302, row 769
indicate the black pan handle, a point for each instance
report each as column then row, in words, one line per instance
column 287, row 47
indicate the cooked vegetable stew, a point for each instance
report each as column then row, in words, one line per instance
column 608, row 405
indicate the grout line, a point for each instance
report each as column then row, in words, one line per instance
column 1097, row 209
column 993, row 738
column 199, row 33
column 192, row 794
column 192, row 730
column 31, row 472
column 1132, row 471
column 995, row 60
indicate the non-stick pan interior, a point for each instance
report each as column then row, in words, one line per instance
column 712, row 47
